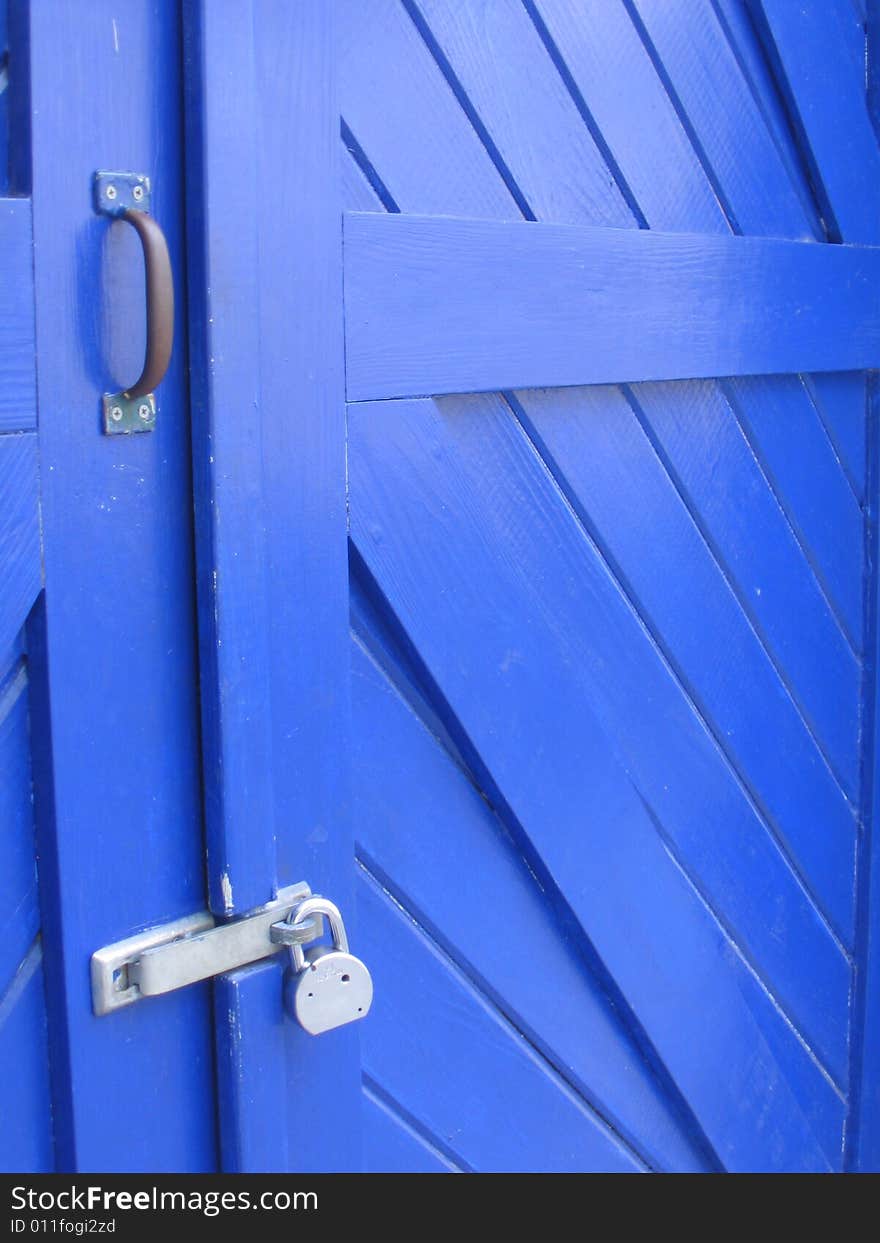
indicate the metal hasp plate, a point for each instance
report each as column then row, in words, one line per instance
column 163, row 959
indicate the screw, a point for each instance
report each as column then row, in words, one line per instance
column 116, row 413
column 110, row 191
column 144, row 411
column 138, row 193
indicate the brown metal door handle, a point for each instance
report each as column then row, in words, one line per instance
column 160, row 302
column 126, row 196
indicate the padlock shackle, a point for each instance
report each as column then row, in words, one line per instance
column 316, row 905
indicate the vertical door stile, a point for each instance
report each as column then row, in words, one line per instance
column 265, row 289
column 112, row 645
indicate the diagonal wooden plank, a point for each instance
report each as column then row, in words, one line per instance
column 556, row 692
column 695, row 429
column 19, row 906
column 417, row 817
column 693, row 58
column 18, row 384
column 392, row 1145
column 444, row 165
column 707, row 71
column 841, row 402
column 826, row 93
column 398, row 136
column 835, row 112
column 543, row 136
column 760, row 174
column 594, row 54
column 796, row 455
column 428, row 172
column 437, row 306
column 26, row 1138
column 596, row 48
column 609, row 460
column 456, row 1065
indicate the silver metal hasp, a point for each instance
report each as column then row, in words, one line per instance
column 195, row 948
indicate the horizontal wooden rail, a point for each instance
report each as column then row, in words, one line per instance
column 440, row 305
column 18, row 384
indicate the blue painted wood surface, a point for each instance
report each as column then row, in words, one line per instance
column 725, row 524
column 412, row 834
column 26, row 1140
column 114, row 731
column 614, row 644
column 20, row 567
column 812, row 47
column 269, row 449
column 4, row 97
column 17, row 359
column 460, row 306
column 610, row 778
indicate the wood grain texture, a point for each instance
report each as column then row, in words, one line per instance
column 715, row 68
column 739, row 473
column 596, row 47
column 4, row 100
column 603, row 765
column 742, row 178
column 438, row 306
column 829, row 577
column 841, row 402
column 756, row 547
column 116, row 752
column 269, row 444
column 863, row 1131
column 819, row 54
column 451, row 1046
column 609, row 459
column 274, row 1079
column 812, row 48
column 392, row 1145
column 723, row 116
column 19, row 903
column 20, row 567
column 232, row 552
column 487, row 52
column 18, row 392
column 417, row 816
column 26, row 1137
column 788, row 437
column 399, row 128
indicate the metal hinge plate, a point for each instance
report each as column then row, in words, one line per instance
column 195, row 948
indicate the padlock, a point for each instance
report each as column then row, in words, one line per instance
column 325, row 987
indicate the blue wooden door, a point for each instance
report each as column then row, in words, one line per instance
column 605, row 275
column 99, row 746
column 611, row 645
column 530, row 434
